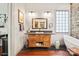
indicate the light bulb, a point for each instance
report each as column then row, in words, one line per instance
column 48, row 13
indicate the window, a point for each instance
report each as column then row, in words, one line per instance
column 62, row 21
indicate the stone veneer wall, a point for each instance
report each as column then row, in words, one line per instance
column 75, row 20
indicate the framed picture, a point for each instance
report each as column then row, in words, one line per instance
column 20, row 16
column 39, row 23
column 21, row 27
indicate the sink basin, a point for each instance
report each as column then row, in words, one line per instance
column 39, row 32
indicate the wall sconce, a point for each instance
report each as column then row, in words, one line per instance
column 32, row 13
column 47, row 13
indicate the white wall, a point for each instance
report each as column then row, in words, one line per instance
column 17, row 36
column 4, row 10
column 39, row 9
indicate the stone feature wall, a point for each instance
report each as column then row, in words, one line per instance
column 75, row 20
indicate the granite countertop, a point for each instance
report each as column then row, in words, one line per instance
column 3, row 36
column 39, row 33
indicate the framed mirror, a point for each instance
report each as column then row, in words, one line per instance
column 3, row 19
column 39, row 23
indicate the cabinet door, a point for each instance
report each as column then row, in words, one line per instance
column 46, row 37
column 32, row 40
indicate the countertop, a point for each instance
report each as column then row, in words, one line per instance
column 40, row 33
column 50, row 33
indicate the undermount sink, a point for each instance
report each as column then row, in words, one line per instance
column 39, row 32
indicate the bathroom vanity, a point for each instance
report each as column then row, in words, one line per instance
column 39, row 39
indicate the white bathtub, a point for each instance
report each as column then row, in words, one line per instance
column 71, row 42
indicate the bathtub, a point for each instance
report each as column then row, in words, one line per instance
column 72, row 44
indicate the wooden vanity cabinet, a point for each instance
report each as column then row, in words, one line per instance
column 39, row 40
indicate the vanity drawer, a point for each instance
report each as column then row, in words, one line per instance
column 33, row 35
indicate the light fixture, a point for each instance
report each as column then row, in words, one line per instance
column 47, row 13
column 32, row 13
